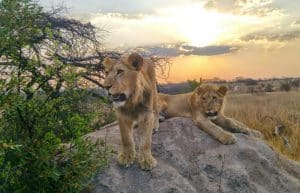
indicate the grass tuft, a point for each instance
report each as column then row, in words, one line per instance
column 267, row 112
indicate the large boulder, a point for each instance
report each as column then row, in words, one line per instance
column 190, row 161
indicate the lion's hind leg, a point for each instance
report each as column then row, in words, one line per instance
column 156, row 113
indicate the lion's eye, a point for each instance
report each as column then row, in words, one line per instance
column 203, row 98
column 120, row 71
column 214, row 97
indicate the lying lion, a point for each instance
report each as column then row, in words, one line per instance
column 205, row 105
column 132, row 85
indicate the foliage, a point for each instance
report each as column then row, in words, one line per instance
column 295, row 83
column 32, row 157
column 41, row 124
column 194, row 84
column 286, row 86
column 246, row 81
column 269, row 88
column 38, row 43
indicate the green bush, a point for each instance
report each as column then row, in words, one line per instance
column 193, row 84
column 32, row 157
column 41, row 127
column 286, row 86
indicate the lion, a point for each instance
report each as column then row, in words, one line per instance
column 131, row 83
column 205, row 106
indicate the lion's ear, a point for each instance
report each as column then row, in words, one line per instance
column 199, row 89
column 136, row 61
column 222, row 90
column 107, row 62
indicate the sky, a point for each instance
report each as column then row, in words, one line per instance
column 202, row 38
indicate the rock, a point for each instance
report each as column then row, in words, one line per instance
column 190, row 161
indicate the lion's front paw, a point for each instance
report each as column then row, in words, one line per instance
column 156, row 125
column 228, row 139
column 246, row 131
column 161, row 118
column 126, row 158
column 240, row 129
column 147, row 162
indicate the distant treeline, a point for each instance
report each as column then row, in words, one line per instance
column 239, row 84
column 250, row 81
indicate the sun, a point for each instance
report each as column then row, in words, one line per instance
column 196, row 25
column 200, row 27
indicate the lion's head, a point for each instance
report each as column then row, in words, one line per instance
column 209, row 99
column 123, row 78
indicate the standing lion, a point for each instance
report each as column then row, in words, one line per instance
column 131, row 83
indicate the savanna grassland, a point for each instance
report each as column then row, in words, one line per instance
column 267, row 111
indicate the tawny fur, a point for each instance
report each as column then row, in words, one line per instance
column 196, row 105
column 134, row 76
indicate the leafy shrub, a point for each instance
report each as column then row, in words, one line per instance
column 41, row 128
column 269, row 88
column 295, row 83
column 33, row 158
column 286, row 86
column 194, row 83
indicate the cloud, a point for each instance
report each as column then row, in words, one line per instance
column 169, row 26
column 173, row 50
column 208, row 50
column 132, row 30
column 188, row 24
column 259, row 8
column 280, row 37
column 297, row 22
column 108, row 6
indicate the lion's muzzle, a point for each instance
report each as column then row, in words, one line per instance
column 212, row 115
column 118, row 97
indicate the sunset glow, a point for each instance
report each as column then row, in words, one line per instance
column 208, row 38
column 197, row 26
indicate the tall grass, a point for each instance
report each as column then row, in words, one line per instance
column 264, row 112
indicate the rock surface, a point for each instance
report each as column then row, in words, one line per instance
column 190, row 161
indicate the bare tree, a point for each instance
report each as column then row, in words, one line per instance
column 58, row 45
column 46, row 46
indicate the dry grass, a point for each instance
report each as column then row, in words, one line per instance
column 256, row 110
